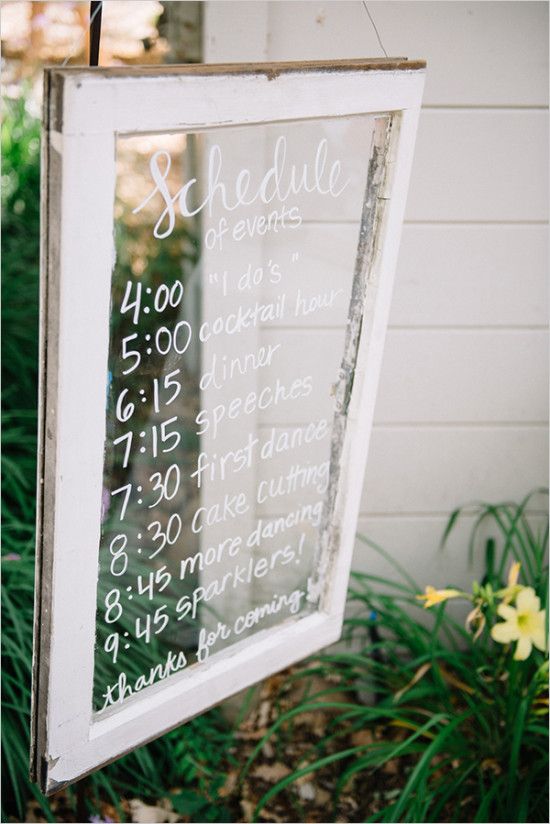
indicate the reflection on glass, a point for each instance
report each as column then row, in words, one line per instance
column 235, row 251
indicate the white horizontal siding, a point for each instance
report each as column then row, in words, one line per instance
column 482, row 275
column 465, row 375
column 432, row 469
column 480, row 165
column 463, row 393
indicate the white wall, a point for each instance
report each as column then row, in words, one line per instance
column 463, row 400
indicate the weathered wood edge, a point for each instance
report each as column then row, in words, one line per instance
column 371, row 223
column 35, row 702
column 270, row 70
column 56, row 75
column 47, row 414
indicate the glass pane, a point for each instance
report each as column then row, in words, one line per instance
column 235, row 252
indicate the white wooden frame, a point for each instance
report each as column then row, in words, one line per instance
column 85, row 110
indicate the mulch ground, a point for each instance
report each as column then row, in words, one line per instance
column 306, row 738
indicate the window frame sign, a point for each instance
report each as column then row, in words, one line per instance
column 85, row 111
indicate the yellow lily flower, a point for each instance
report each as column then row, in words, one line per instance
column 513, row 574
column 434, row 596
column 511, row 590
column 524, row 623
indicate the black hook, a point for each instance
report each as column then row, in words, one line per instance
column 96, row 8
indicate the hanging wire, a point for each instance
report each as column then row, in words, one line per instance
column 95, row 13
column 375, row 29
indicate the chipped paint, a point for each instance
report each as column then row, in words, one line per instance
column 373, row 204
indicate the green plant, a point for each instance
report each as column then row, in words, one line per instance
column 460, row 722
column 20, row 233
column 194, row 756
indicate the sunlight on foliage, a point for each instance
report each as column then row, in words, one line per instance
column 425, row 719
